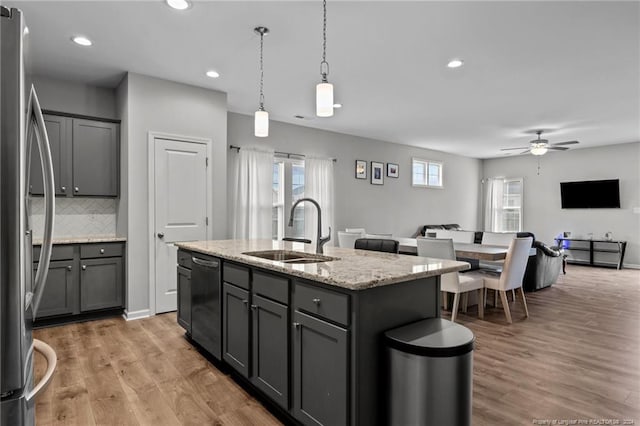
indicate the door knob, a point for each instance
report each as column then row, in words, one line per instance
column 160, row 234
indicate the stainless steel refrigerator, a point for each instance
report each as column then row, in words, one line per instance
column 21, row 123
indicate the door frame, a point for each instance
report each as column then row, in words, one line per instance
column 152, row 201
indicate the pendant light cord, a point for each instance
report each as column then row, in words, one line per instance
column 261, row 73
column 324, row 65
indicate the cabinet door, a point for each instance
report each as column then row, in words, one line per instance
column 320, row 380
column 95, row 158
column 59, row 296
column 184, row 298
column 101, row 283
column 57, row 130
column 270, row 357
column 235, row 347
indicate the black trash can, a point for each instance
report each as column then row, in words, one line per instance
column 430, row 373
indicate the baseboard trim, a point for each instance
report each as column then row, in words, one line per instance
column 631, row 266
column 135, row 315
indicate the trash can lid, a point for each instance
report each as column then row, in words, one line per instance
column 434, row 337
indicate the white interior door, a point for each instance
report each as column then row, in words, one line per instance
column 180, row 209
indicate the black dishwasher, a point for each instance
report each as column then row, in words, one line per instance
column 206, row 303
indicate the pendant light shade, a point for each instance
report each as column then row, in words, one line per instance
column 324, row 99
column 324, row 90
column 261, row 120
column 261, row 123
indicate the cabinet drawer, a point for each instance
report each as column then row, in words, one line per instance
column 235, row 274
column 271, row 286
column 321, row 302
column 101, row 250
column 184, row 259
column 61, row 252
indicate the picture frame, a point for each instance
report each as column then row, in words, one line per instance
column 361, row 169
column 392, row 170
column 377, row 173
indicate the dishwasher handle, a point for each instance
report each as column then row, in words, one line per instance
column 205, row 263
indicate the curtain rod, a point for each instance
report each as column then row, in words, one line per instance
column 280, row 153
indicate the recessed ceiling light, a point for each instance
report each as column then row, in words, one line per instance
column 179, row 4
column 213, row 74
column 337, row 105
column 82, row 41
column 455, row 63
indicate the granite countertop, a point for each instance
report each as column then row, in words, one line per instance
column 83, row 239
column 353, row 270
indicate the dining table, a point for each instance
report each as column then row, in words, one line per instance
column 463, row 250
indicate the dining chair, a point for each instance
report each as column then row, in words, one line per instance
column 457, row 236
column 378, row 244
column 452, row 282
column 348, row 239
column 358, row 230
column 512, row 274
column 498, row 238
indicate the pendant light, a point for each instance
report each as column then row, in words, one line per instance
column 261, row 122
column 324, row 90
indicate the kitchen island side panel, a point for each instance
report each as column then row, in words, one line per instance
column 375, row 311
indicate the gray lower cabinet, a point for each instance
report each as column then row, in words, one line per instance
column 184, row 298
column 270, row 350
column 320, row 379
column 85, row 156
column 59, row 293
column 101, row 283
column 235, row 324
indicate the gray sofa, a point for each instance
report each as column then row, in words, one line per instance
column 542, row 270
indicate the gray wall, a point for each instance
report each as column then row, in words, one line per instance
column 146, row 105
column 76, row 98
column 396, row 207
column 542, row 213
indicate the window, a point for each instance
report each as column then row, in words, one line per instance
column 511, row 220
column 426, row 173
column 288, row 187
column 504, row 204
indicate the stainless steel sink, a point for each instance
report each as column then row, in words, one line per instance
column 288, row 256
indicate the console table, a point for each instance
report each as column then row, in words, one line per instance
column 593, row 247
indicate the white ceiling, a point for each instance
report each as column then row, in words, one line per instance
column 570, row 67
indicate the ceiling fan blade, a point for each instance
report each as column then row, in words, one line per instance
column 565, row 143
column 511, row 149
column 526, row 152
column 558, row 148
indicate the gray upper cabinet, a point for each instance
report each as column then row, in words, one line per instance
column 85, row 154
column 57, row 131
column 95, row 158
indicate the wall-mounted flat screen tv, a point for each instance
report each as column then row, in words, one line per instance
column 590, row 194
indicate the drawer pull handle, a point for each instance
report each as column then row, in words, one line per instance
column 316, row 301
column 296, row 325
column 101, row 251
column 254, row 307
column 84, row 267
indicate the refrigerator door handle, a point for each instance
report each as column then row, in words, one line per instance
column 35, row 121
column 50, row 355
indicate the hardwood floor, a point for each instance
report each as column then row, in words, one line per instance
column 576, row 357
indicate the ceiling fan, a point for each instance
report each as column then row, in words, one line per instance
column 541, row 146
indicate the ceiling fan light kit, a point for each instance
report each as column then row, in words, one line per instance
column 539, row 149
column 324, row 89
column 542, row 146
column 261, row 120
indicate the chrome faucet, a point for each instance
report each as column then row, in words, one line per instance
column 319, row 240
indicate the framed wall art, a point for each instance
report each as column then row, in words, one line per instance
column 377, row 173
column 361, row 169
column 392, row 170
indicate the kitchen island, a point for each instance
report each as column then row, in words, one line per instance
column 305, row 334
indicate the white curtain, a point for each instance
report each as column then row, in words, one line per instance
column 318, row 184
column 253, row 194
column 494, row 188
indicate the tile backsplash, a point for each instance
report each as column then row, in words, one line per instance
column 76, row 216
